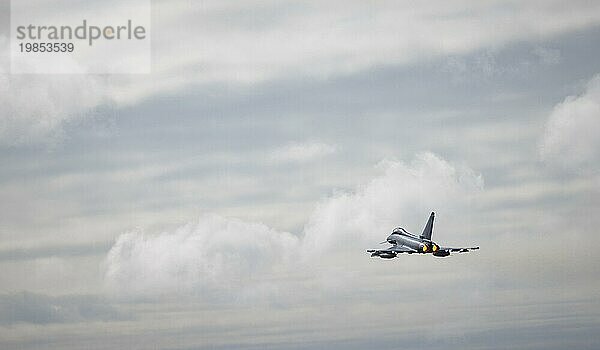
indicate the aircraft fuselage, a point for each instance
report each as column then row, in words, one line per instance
column 421, row 245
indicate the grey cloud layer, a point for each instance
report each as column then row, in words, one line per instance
column 34, row 308
column 50, row 251
column 297, row 41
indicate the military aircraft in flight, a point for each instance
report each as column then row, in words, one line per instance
column 405, row 242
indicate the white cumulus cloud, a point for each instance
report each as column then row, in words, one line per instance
column 206, row 256
column 571, row 138
column 218, row 256
column 403, row 194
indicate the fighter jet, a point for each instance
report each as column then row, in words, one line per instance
column 405, row 242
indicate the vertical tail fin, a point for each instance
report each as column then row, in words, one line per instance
column 428, row 230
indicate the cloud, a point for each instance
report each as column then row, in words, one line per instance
column 405, row 193
column 35, row 108
column 547, row 56
column 18, row 254
column 35, row 308
column 207, row 256
column 342, row 37
column 215, row 256
column 302, row 152
column 252, row 42
column 571, row 135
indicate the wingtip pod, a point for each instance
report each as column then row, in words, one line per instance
column 465, row 250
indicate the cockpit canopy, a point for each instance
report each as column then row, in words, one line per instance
column 399, row 230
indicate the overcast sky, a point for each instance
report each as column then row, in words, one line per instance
column 226, row 200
